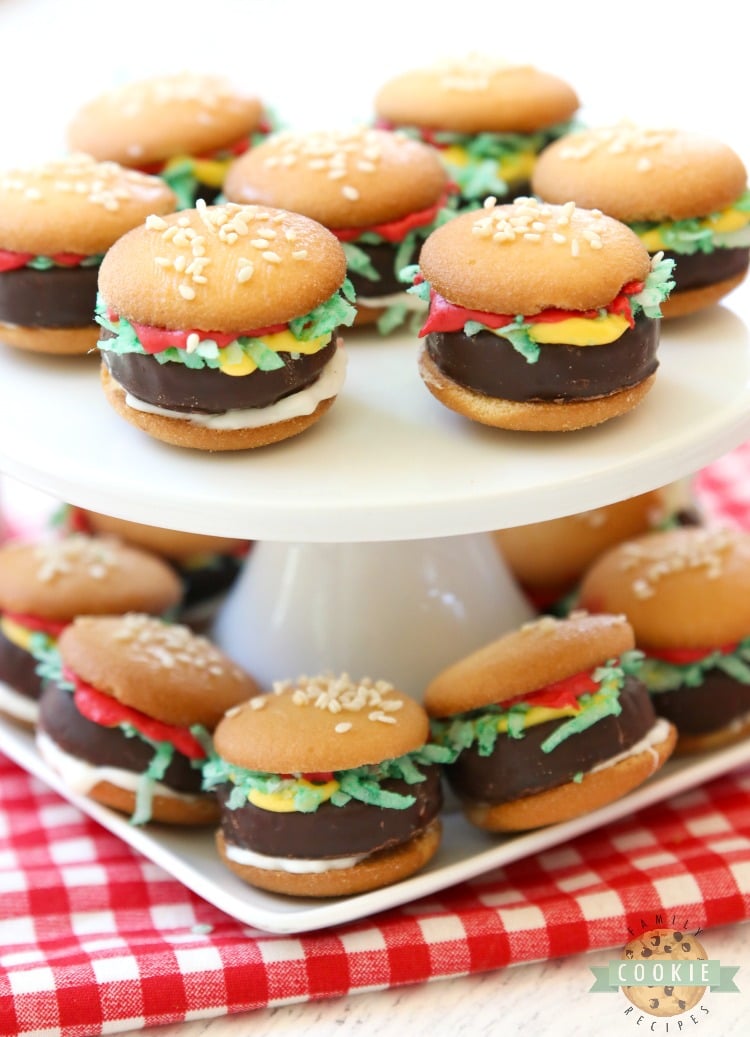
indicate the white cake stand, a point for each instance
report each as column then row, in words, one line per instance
column 372, row 555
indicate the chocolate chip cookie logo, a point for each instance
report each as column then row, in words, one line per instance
column 665, row 972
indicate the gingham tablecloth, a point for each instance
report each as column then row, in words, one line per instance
column 95, row 939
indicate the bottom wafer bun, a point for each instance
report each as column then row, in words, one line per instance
column 381, row 869
column 597, row 789
column 185, row 433
column 367, row 315
column 679, row 304
column 531, row 416
column 62, row 341
column 735, row 732
column 173, row 810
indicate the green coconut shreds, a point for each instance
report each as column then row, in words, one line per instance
column 155, row 772
column 659, row 675
column 359, row 262
column 516, row 333
column 657, row 286
column 48, row 263
column 48, row 661
column 324, row 319
column 595, row 707
column 265, row 358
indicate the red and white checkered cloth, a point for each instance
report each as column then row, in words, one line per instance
column 95, row 939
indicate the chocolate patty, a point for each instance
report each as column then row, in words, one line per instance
column 330, row 831
column 519, row 767
column 204, row 582
column 106, row 746
column 489, row 364
column 174, row 386
column 712, row 706
column 382, row 256
column 61, row 297
column 704, row 268
column 18, row 669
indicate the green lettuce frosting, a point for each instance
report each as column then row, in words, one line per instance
column 321, row 321
column 658, row 675
column 480, row 727
column 48, row 263
column 687, row 237
column 360, row 783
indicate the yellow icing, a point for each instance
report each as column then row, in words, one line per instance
column 280, row 342
column 16, row 634
column 580, row 331
column 209, row 171
column 540, row 715
column 282, row 802
column 724, row 222
column 517, row 166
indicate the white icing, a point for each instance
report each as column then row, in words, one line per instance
column 733, row 238
column 298, row 405
column 14, row 704
column 295, row 865
column 657, row 734
column 81, row 777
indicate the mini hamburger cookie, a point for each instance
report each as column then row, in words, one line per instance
column 127, row 719
column 206, row 565
column 185, row 127
column 44, row 586
column 686, row 593
column 541, row 317
column 684, row 195
column 380, row 193
column 547, row 723
column 548, row 559
column 220, row 325
column 489, row 119
column 56, row 222
column 327, row 787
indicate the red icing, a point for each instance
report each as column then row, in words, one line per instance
column 683, row 656
column 51, row 627
column 316, row 777
column 396, row 230
column 446, row 316
column 559, row 694
column 14, row 260
column 107, row 711
column 156, row 340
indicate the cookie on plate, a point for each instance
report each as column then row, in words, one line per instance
column 185, row 127
column 379, row 192
column 686, row 593
column 45, row 585
column 127, row 719
column 327, row 787
column 541, row 317
column 221, row 325
column 684, row 195
column 488, row 118
column 57, row 220
column 547, row 723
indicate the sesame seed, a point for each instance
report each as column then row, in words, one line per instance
column 342, row 728
column 351, row 193
column 272, row 257
column 186, row 291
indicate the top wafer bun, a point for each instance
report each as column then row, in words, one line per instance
column 162, row 669
column 296, row 729
column 175, row 544
column 153, row 119
column 528, row 256
column 239, row 268
column 527, row 659
column 682, row 588
column 555, row 553
column 635, row 173
column 59, row 579
column 342, row 178
column 75, row 204
column 473, row 94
